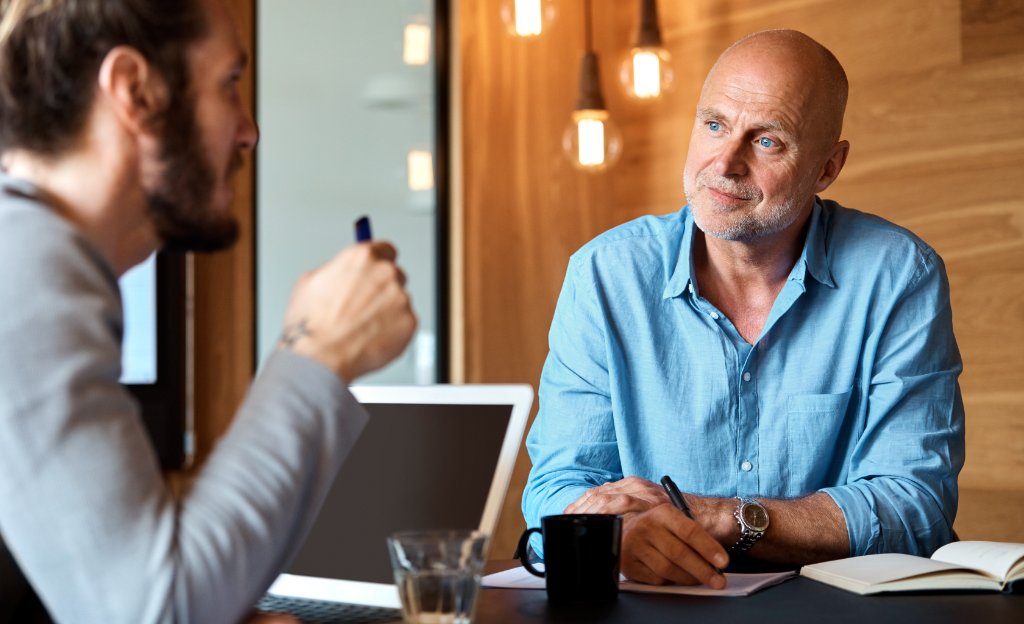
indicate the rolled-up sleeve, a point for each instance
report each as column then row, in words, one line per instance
column 572, row 442
column 900, row 493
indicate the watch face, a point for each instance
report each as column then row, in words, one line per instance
column 754, row 516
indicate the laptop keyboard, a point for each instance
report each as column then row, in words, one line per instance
column 324, row 612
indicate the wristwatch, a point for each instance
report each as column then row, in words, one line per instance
column 753, row 520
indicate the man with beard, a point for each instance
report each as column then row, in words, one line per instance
column 120, row 128
column 788, row 362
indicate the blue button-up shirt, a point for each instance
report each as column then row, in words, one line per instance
column 851, row 388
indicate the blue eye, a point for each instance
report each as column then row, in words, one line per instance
column 714, row 126
column 766, row 143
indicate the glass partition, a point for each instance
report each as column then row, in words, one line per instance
column 351, row 103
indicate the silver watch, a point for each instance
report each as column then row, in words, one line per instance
column 753, row 520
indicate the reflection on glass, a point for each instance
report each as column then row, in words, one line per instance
column 416, row 48
column 421, row 170
column 346, row 108
column 138, row 294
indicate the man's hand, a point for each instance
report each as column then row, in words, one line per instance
column 628, row 495
column 663, row 546
column 660, row 544
column 352, row 314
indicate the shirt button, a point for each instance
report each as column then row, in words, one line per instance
column 747, row 466
column 746, row 376
column 714, row 315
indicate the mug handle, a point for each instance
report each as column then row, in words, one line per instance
column 523, row 542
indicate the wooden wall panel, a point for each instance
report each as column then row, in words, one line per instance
column 223, row 295
column 935, row 121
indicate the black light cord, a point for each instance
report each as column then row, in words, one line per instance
column 588, row 34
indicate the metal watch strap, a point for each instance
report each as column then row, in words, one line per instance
column 747, row 539
column 748, row 536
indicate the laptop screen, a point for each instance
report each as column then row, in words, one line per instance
column 415, row 466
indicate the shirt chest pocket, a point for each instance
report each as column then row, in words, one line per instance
column 814, row 424
column 819, row 403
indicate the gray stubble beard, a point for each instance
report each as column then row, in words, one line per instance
column 747, row 227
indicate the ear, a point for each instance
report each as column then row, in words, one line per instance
column 134, row 90
column 834, row 164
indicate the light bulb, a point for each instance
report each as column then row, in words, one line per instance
column 527, row 18
column 646, row 72
column 592, row 141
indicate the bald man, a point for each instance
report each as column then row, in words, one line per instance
column 788, row 362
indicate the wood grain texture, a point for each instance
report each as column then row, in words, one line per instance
column 223, row 300
column 935, row 119
column 992, row 515
column 992, row 28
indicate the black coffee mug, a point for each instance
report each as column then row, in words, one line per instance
column 581, row 556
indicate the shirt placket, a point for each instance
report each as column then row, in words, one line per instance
column 745, row 416
column 748, row 424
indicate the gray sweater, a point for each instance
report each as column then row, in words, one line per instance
column 84, row 509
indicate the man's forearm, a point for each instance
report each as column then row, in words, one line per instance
column 801, row 531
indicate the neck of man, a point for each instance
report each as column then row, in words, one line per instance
column 743, row 279
column 96, row 186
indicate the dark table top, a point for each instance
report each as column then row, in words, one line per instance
column 795, row 601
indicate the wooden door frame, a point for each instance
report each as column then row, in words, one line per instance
column 221, row 293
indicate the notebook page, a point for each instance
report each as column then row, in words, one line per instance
column 870, row 570
column 994, row 558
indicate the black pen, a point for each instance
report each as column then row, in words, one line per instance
column 675, row 496
column 679, row 502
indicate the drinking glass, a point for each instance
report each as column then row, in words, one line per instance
column 437, row 574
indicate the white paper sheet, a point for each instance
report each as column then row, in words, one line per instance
column 736, row 584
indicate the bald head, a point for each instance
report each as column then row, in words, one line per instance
column 791, row 62
column 765, row 138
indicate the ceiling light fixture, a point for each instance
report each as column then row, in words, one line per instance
column 527, row 18
column 592, row 141
column 646, row 72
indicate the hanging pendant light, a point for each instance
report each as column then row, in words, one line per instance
column 592, row 141
column 646, row 71
column 527, row 18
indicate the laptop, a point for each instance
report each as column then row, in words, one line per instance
column 430, row 457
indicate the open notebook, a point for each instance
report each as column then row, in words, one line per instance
column 992, row 566
column 431, row 457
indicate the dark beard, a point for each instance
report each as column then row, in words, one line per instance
column 180, row 201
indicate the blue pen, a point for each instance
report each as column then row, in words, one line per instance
column 363, row 233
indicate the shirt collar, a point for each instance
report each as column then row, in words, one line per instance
column 682, row 276
column 813, row 258
column 16, row 186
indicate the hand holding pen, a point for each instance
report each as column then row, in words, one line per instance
column 675, row 496
column 678, row 501
column 657, row 547
column 352, row 314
